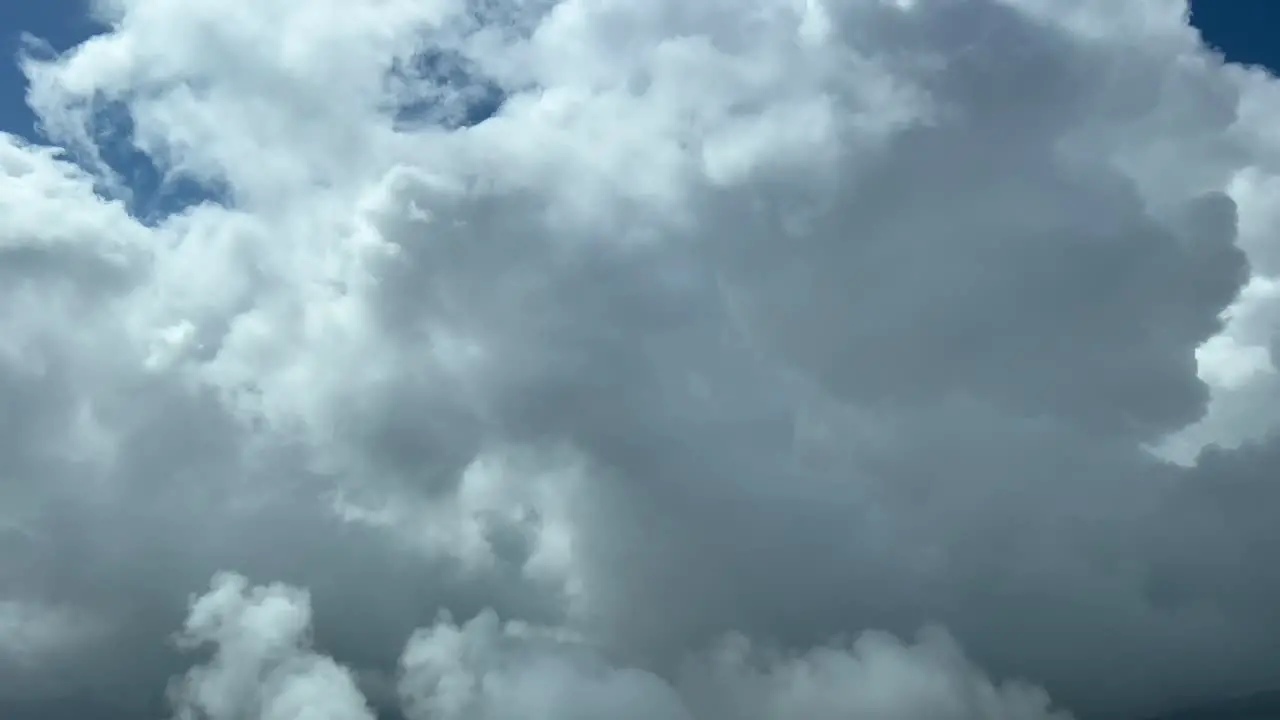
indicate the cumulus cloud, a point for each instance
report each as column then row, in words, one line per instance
column 686, row 354
column 263, row 667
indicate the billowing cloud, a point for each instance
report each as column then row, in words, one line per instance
column 264, row 667
column 690, row 357
column 261, row 666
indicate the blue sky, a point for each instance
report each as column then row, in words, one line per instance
column 1243, row 29
column 60, row 22
column 63, row 24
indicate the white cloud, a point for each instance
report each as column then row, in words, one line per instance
column 261, row 667
column 485, row 669
column 764, row 318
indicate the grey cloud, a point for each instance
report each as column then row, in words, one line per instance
column 786, row 327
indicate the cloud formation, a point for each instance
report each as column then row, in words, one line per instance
column 689, row 357
column 263, row 667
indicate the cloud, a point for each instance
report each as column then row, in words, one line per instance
column 263, row 667
column 763, row 320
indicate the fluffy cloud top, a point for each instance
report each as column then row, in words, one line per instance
column 686, row 353
column 263, row 667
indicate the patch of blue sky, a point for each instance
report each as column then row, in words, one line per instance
column 61, row 24
column 1245, row 31
column 57, row 26
column 439, row 87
